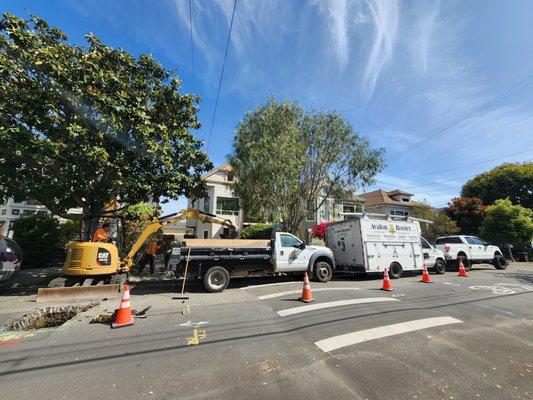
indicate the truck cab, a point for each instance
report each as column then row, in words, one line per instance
column 470, row 250
column 433, row 257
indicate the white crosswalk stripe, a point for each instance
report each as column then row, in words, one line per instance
column 338, row 303
column 348, row 339
column 281, row 294
column 270, row 284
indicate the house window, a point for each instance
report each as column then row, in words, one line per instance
column 42, row 212
column 325, row 212
column 206, row 234
column 227, row 205
column 399, row 213
column 405, row 199
column 15, row 211
column 348, row 208
column 207, row 204
column 4, row 211
column 27, row 212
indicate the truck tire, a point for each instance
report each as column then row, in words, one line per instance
column 395, row 270
column 216, row 279
column 466, row 262
column 440, row 267
column 323, row 271
column 499, row 262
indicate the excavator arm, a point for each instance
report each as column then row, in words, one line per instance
column 155, row 225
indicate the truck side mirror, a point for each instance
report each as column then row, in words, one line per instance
column 301, row 246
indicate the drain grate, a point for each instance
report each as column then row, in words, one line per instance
column 45, row 318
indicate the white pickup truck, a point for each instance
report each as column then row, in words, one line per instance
column 471, row 250
column 216, row 260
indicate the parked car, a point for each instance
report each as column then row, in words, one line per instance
column 471, row 250
column 10, row 258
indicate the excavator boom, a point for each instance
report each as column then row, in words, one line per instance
column 155, row 225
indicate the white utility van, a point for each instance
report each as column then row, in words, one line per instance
column 371, row 242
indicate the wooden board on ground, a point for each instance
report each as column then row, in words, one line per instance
column 250, row 243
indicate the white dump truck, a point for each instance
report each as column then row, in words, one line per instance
column 372, row 242
column 216, row 260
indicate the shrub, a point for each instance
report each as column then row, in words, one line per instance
column 68, row 231
column 39, row 238
column 319, row 231
column 257, row 231
column 507, row 223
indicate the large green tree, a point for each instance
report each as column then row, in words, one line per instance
column 505, row 222
column 288, row 161
column 467, row 212
column 442, row 224
column 513, row 181
column 80, row 125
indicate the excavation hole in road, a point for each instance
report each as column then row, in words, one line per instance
column 48, row 317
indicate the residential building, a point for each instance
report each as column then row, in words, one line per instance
column 13, row 210
column 330, row 210
column 179, row 230
column 395, row 202
column 220, row 200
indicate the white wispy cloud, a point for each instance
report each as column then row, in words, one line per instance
column 385, row 17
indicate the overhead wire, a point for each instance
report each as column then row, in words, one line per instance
column 454, row 168
column 513, row 89
column 221, row 74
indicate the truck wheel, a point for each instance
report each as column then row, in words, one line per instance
column 440, row 267
column 216, row 279
column 323, row 271
column 466, row 263
column 395, row 270
column 499, row 262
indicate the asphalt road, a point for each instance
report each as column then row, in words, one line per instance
column 457, row 338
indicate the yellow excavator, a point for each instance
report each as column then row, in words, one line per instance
column 87, row 262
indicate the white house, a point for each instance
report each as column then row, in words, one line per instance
column 331, row 210
column 220, row 200
column 13, row 210
column 394, row 202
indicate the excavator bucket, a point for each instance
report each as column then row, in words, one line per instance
column 77, row 292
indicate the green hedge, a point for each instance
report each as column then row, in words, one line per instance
column 39, row 237
column 257, row 231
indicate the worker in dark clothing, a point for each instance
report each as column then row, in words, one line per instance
column 149, row 256
column 166, row 249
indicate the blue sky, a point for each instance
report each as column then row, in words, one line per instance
column 400, row 72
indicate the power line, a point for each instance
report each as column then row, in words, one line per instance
column 221, row 75
column 447, row 180
column 192, row 45
column 454, row 168
column 513, row 89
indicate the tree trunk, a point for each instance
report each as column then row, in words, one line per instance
column 90, row 223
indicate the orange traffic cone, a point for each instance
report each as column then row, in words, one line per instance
column 425, row 274
column 462, row 270
column 387, row 285
column 123, row 315
column 307, row 296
